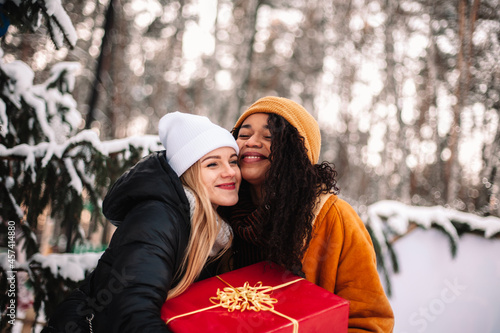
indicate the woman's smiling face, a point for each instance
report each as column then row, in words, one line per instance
column 254, row 141
column 221, row 176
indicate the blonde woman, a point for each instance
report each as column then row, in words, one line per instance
column 168, row 229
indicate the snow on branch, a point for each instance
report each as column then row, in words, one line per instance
column 19, row 79
column 76, row 182
column 69, row 266
column 46, row 150
column 29, row 14
column 388, row 220
column 3, row 119
column 19, row 212
column 60, row 24
column 64, row 73
column 53, row 106
column 146, row 143
column 397, row 217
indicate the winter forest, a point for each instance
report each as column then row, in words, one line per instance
column 407, row 95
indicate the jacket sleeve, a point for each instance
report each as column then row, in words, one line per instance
column 341, row 259
column 358, row 279
column 149, row 246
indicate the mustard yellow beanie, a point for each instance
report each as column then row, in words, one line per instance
column 296, row 115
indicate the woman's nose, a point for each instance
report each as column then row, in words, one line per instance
column 228, row 171
column 253, row 141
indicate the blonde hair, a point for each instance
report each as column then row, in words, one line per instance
column 204, row 231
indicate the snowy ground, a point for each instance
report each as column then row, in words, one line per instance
column 435, row 293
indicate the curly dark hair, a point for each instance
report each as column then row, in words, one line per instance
column 291, row 189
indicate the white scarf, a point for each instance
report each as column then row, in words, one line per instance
column 225, row 231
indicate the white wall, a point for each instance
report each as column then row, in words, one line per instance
column 435, row 293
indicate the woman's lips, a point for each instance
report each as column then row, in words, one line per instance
column 227, row 186
column 253, row 157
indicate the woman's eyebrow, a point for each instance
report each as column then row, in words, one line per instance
column 266, row 126
column 209, row 157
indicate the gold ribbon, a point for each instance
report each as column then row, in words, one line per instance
column 256, row 298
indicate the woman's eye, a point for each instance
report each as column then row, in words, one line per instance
column 235, row 162
column 211, row 165
column 244, row 134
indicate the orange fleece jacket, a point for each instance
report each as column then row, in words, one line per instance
column 341, row 259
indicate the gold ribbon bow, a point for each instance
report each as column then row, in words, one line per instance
column 256, row 298
column 247, row 297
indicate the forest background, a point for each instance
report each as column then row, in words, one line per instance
column 407, row 94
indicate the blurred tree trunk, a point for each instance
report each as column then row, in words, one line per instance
column 169, row 94
column 116, row 78
column 103, row 63
column 463, row 60
column 396, row 143
column 429, row 178
column 245, row 15
column 488, row 202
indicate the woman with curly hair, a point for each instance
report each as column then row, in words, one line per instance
column 289, row 212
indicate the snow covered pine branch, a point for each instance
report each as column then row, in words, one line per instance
column 28, row 14
column 388, row 220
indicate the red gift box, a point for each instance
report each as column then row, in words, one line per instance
column 297, row 303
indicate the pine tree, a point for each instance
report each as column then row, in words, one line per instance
column 41, row 145
column 47, row 163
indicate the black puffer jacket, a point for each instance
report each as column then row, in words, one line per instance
column 130, row 283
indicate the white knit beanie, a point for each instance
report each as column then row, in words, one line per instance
column 188, row 137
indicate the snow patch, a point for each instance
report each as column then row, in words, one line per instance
column 68, row 265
